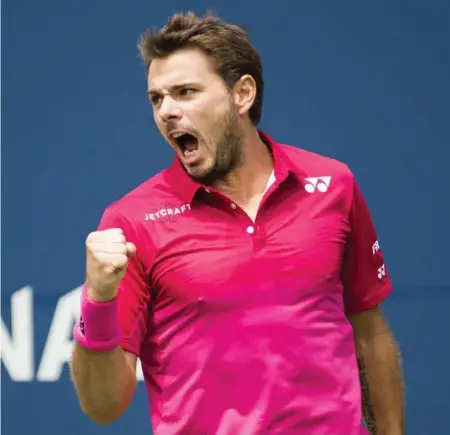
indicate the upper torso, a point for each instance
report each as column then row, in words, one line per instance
column 245, row 330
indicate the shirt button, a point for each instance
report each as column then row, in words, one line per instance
column 233, row 206
column 250, row 229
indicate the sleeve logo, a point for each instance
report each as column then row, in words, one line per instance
column 375, row 247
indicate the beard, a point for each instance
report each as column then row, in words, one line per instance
column 226, row 149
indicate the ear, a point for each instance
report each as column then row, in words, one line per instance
column 244, row 94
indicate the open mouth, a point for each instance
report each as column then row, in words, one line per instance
column 187, row 143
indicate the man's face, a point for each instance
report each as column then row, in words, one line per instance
column 195, row 112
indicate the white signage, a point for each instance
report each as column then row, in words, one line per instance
column 17, row 346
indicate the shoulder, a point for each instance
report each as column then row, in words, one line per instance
column 132, row 208
column 316, row 168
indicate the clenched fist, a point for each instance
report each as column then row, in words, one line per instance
column 107, row 254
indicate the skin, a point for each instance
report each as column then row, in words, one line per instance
column 228, row 140
column 105, row 382
column 380, row 373
column 232, row 158
column 187, row 94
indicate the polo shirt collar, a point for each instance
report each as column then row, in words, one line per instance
column 187, row 187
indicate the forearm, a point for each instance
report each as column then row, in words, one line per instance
column 104, row 382
column 381, row 385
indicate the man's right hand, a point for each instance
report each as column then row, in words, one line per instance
column 107, row 255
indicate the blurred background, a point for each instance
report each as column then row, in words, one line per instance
column 365, row 82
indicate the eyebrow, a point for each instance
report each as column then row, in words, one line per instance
column 174, row 88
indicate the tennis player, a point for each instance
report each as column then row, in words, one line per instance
column 246, row 277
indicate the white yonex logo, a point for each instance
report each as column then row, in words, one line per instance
column 381, row 271
column 319, row 183
column 375, row 247
column 168, row 213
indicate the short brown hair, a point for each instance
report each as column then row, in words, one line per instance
column 226, row 44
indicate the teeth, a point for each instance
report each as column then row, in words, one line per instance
column 189, row 152
column 176, row 135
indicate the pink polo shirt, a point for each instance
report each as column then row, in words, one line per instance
column 241, row 326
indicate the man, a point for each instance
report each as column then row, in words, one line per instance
column 246, row 277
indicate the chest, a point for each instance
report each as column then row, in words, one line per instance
column 228, row 256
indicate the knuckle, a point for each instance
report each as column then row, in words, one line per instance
column 120, row 238
column 115, row 231
column 115, row 248
column 90, row 237
column 119, row 261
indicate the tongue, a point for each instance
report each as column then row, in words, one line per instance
column 191, row 144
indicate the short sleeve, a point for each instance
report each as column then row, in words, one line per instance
column 134, row 293
column 365, row 277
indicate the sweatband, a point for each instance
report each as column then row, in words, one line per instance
column 98, row 327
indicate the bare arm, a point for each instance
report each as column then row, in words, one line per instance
column 380, row 374
column 105, row 382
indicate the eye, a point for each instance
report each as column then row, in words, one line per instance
column 155, row 99
column 186, row 91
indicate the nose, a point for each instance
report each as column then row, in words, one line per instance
column 169, row 109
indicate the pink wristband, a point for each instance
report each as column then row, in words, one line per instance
column 98, row 327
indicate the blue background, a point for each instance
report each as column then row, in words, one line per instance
column 365, row 82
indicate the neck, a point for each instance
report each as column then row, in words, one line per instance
column 249, row 180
